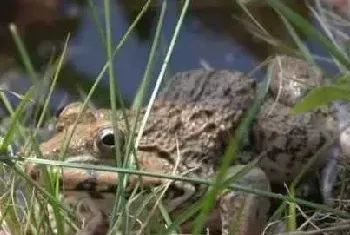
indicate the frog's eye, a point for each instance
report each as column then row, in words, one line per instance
column 106, row 142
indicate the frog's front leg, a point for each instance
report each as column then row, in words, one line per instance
column 89, row 212
column 188, row 191
column 244, row 213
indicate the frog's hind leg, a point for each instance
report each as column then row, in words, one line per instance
column 243, row 213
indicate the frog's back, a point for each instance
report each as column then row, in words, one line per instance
column 285, row 143
column 210, row 88
column 196, row 124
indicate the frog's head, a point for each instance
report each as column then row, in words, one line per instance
column 88, row 135
column 84, row 136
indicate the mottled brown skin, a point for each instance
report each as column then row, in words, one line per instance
column 191, row 129
column 293, row 78
column 194, row 116
column 286, row 142
column 188, row 140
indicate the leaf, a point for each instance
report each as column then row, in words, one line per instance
column 322, row 96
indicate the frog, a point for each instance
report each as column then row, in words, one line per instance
column 173, row 141
column 193, row 118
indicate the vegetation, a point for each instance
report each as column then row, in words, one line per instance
column 24, row 208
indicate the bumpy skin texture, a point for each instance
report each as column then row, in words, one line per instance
column 193, row 118
column 186, row 139
column 285, row 142
column 293, row 78
column 209, row 88
column 191, row 128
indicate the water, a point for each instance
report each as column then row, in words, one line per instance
column 209, row 37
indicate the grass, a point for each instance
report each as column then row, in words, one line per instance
column 33, row 213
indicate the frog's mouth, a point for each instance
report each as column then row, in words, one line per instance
column 90, row 160
column 85, row 179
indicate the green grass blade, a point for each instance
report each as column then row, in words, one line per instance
column 24, row 54
column 15, row 119
column 322, row 96
column 228, row 158
column 309, row 30
column 237, row 187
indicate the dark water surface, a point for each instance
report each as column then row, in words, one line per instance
column 209, row 36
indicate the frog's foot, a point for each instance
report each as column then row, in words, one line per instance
column 93, row 219
column 188, row 191
column 245, row 213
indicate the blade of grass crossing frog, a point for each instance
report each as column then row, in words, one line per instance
column 51, row 193
column 185, row 216
column 311, row 162
column 57, row 214
column 130, row 142
column 186, row 179
column 161, row 74
column 278, row 213
column 41, row 190
column 229, row 156
column 138, row 101
column 291, row 218
column 111, row 56
column 309, row 30
column 85, row 102
column 321, row 96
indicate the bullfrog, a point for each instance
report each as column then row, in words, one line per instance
column 186, row 134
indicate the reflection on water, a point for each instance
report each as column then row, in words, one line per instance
column 215, row 33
